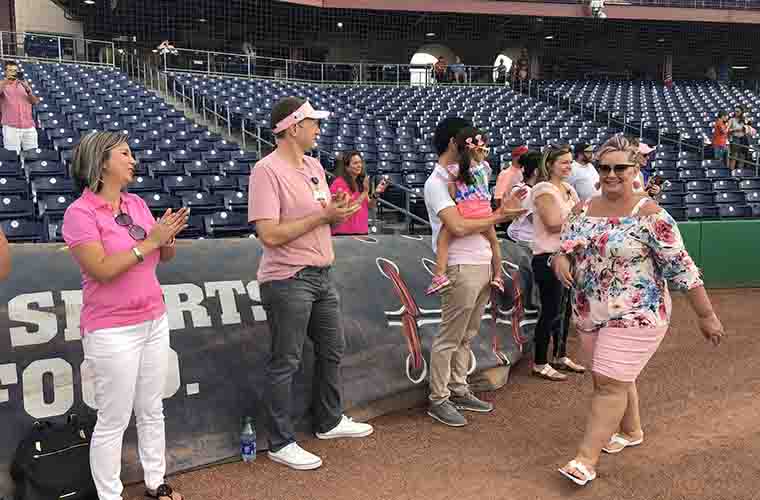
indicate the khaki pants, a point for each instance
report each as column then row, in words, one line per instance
column 462, row 306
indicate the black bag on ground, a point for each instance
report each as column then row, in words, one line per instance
column 53, row 462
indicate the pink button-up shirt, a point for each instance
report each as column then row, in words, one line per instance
column 134, row 296
column 15, row 107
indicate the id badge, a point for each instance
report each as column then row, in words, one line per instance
column 320, row 196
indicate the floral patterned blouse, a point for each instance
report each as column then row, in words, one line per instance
column 620, row 267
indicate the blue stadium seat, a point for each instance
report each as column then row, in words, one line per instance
column 22, row 230
column 221, row 224
column 15, row 207
column 237, row 201
column 202, row 203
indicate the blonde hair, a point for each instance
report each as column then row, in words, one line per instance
column 620, row 143
column 550, row 155
column 90, row 156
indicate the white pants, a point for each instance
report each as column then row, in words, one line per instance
column 129, row 367
column 19, row 139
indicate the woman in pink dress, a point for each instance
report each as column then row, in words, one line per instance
column 351, row 178
column 618, row 252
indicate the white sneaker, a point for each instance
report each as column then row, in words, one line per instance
column 296, row 458
column 347, row 428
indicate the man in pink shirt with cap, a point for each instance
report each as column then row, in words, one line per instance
column 291, row 204
column 16, row 101
column 510, row 177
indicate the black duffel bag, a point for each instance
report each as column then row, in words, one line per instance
column 53, row 462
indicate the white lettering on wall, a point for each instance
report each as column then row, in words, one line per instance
column 176, row 306
column 226, row 291
column 259, row 314
column 63, row 387
column 72, row 300
column 8, row 376
column 19, row 310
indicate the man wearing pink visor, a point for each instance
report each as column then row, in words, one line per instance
column 290, row 202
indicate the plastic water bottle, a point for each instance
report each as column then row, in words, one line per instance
column 248, row 440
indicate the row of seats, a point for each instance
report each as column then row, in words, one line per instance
column 180, row 162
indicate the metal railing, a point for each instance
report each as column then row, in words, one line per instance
column 203, row 62
column 222, row 118
column 55, row 48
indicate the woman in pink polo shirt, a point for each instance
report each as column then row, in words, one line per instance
column 125, row 330
column 351, row 178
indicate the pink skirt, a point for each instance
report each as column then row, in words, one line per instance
column 621, row 353
column 474, row 209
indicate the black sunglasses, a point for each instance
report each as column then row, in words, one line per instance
column 619, row 169
column 135, row 231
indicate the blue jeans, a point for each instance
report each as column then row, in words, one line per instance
column 307, row 304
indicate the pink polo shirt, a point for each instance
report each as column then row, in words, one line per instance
column 15, row 107
column 282, row 192
column 357, row 223
column 133, row 297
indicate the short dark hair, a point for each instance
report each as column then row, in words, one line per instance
column 447, row 130
column 9, row 63
column 282, row 109
column 531, row 161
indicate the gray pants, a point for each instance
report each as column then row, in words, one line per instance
column 307, row 304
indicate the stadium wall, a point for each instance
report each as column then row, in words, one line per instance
column 43, row 16
column 220, row 341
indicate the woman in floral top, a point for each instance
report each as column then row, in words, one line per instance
column 617, row 253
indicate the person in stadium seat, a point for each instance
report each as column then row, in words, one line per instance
column 469, row 270
column 509, row 177
column 584, row 177
column 16, row 101
column 5, row 257
column 351, row 178
column 552, row 198
column 291, row 205
column 737, row 127
column 125, row 330
column 617, row 254
column 720, row 137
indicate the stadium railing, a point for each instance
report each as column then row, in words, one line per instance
column 56, row 48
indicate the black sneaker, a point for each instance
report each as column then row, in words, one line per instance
column 445, row 413
column 469, row 402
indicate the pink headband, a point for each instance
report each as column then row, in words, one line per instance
column 470, row 142
column 297, row 116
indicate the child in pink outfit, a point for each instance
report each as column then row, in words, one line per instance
column 468, row 186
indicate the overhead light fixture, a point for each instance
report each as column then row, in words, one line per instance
column 660, row 40
column 155, row 51
column 89, row 2
column 340, row 25
column 549, row 37
column 739, row 67
column 202, row 20
column 431, row 34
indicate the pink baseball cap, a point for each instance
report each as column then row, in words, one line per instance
column 645, row 148
column 305, row 111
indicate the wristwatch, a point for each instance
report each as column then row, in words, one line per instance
column 138, row 254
